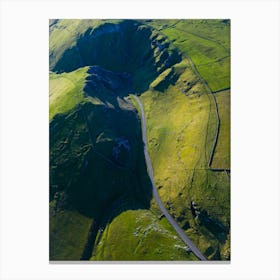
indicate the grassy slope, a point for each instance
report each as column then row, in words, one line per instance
column 221, row 157
column 69, row 146
column 177, row 126
column 217, row 74
column 64, row 34
column 101, row 183
column 139, row 235
column 71, row 155
column 68, row 234
column 180, row 129
column 207, row 42
column 214, row 30
column 66, row 91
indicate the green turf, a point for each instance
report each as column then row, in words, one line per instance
column 221, row 157
column 68, row 234
column 181, row 128
column 139, row 235
column 216, row 30
column 206, row 42
column 64, row 34
column 66, row 91
column 216, row 74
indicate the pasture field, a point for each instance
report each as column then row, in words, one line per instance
column 207, row 43
column 221, row 157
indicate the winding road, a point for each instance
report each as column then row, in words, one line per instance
column 173, row 223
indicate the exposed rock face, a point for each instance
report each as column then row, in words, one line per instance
column 102, row 80
column 213, row 225
column 121, row 149
column 165, row 79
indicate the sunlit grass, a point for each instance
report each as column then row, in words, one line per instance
column 139, row 235
column 221, row 157
column 66, row 91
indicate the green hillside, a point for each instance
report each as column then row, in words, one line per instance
column 66, row 90
column 206, row 42
column 139, row 235
column 101, row 201
column 221, row 157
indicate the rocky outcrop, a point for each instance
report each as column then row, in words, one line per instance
column 213, row 225
column 104, row 81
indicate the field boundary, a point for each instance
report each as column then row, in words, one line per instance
column 216, row 109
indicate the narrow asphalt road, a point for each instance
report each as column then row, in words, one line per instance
column 180, row 232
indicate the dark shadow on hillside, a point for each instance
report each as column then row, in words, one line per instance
column 97, row 164
column 95, row 183
column 115, row 165
column 137, row 195
column 112, row 184
column 127, row 46
column 214, row 226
